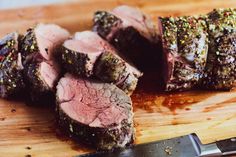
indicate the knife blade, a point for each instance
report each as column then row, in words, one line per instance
column 183, row 146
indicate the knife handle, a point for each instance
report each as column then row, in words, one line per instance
column 227, row 146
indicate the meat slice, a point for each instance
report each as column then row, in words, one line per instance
column 80, row 54
column 131, row 32
column 11, row 77
column 184, row 42
column 42, row 78
column 40, row 42
column 112, row 69
column 97, row 114
column 87, row 54
column 39, row 50
column 221, row 63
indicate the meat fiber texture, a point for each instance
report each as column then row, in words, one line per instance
column 94, row 113
column 39, row 47
column 88, row 55
column 11, row 74
column 185, row 47
column 132, row 33
column 221, row 63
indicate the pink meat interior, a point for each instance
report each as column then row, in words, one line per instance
column 48, row 37
column 88, row 102
column 92, row 39
column 78, row 46
column 49, row 72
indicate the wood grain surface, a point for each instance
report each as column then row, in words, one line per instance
column 31, row 131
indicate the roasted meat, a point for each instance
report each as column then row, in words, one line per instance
column 221, row 63
column 111, row 68
column 94, row 113
column 91, row 56
column 39, row 50
column 80, row 54
column 131, row 32
column 11, row 74
column 42, row 78
column 185, row 47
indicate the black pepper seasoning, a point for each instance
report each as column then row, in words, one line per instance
column 11, row 78
column 184, row 41
column 221, row 70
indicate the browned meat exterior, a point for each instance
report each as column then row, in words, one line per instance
column 80, row 54
column 131, row 32
column 42, row 78
column 112, row 69
column 97, row 114
column 185, row 46
column 192, row 48
column 89, row 55
column 39, row 47
column 168, row 31
column 221, row 62
column 11, row 76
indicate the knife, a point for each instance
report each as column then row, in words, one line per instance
column 184, row 146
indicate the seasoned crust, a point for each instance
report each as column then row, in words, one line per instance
column 185, row 46
column 112, row 69
column 104, row 22
column 29, row 47
column 11, row 75
column 220, row 69
column 76, row 62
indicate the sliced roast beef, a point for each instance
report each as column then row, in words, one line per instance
column 40, row 43
column 97, row 114
column 39, row 47
column 184, row 42
column 89, row 55
column 11, row 76
column 80, row 54
column 42, row 78
column 112, row 69
column 131, row 32
column 221, row 63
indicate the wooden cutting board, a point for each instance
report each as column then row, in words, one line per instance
column 31, row 131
